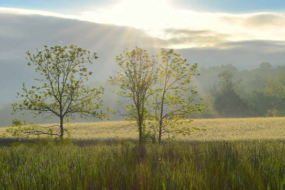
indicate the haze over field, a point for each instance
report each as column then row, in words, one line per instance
column 240, row 33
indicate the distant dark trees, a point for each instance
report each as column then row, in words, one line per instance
column 229, row 104
column 226, row 101
column 258, row 92
column 263, row 104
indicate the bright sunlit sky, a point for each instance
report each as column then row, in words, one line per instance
column 230, row 6
column 243, row 33
column 212, row 21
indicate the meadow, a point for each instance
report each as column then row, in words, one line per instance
column 216, row 129
column 231, row 154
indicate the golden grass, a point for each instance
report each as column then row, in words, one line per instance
column 216, row 129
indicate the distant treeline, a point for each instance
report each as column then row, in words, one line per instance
column 229, row 92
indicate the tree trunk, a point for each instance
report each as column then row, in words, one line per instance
column 160, row 132
column 61, row 128
column 140, row 131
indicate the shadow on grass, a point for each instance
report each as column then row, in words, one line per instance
column 115, row 141
column 78, row 142
column 94, row 142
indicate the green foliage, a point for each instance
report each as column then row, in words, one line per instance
column 248, row 85
column 251, row 90
column 213, row 165
column 261, row 103
column 160, row 91
column 226, row 81
column 276, row 87
column 227, row 102
column 135, row 79
column 272, row 113
column 174, row 98
column 18, row 122
column 270, row 101
column 61, row 91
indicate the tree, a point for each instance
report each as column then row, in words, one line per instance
column 226, row 81
column 227, row 102
column 174, row 99
column 262, row 103
column 135, row 79
column 275, row 89
column 159, row 88
column 61, row 91
column 276, row 86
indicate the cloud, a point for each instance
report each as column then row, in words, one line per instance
column 261, row 46
column 4, row 10
column 180, row 28
column 178, row 38
column 235, row 28
column 28, row 32
column 218, row 29
column 258, row 20
column 20, row 33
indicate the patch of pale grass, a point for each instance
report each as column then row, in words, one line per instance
column 216, row 129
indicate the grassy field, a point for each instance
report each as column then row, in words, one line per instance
column 216, row 129
column 193, row 166
column 233, row 154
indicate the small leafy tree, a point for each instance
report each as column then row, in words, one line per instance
column 61, row 91
column 135, row 79
column 174, row 97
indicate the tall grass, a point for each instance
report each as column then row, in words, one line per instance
column 216, row 165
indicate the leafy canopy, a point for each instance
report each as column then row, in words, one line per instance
column 174, row 98
column 61, row 90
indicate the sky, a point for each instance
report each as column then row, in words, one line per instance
column 243, row 33
column 229, row 6
column 192, row 23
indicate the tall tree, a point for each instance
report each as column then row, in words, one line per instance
column 174, row 96
column 61, row 91
column 135, row 79
column 227, row 102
